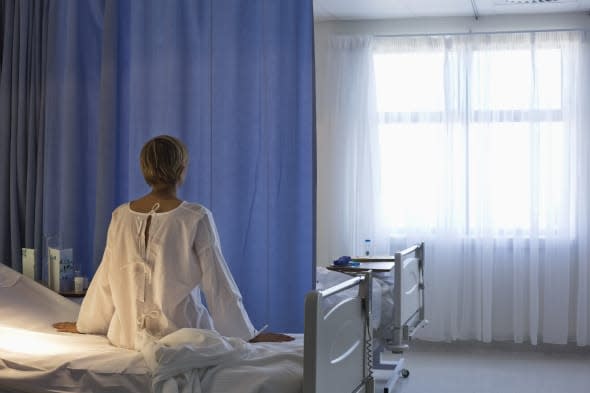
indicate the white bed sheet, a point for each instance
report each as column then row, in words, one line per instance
column 36, row 358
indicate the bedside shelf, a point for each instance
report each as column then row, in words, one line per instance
column 76, row 297
column 72, row 294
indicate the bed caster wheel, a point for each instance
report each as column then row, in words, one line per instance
column 405, row 373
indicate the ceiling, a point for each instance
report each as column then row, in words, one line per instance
column 397, row 9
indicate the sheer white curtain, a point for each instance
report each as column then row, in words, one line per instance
column 499, row 189
column 348, row 148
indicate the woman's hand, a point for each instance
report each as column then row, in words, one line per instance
column 269, row 337
column 66, row 327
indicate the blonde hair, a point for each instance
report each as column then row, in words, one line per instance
column 163, row 160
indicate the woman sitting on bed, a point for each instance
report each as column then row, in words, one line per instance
column 160, row 253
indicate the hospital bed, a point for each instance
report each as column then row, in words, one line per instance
column 335, row 354
column 351, row 337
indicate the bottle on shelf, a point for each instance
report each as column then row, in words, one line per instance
column 367, row 248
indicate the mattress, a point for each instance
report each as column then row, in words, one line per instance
column 36, row 358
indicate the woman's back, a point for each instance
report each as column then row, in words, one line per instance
column 146, row 204
column 154, row 276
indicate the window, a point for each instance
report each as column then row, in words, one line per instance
column 489, row 124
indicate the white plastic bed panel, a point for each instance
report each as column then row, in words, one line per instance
column 337, row 347
column 410, row 288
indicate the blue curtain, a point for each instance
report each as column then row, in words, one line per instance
column 23, row 56
column 234, row 80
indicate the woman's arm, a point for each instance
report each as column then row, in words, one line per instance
column 224, row 300
column 97, row 307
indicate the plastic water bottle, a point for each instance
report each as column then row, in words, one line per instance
column 367, row 247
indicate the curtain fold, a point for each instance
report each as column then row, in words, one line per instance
column 262, row 165
column 23, row 56
column 578, row 77
column 72, row 118
column 348, row 152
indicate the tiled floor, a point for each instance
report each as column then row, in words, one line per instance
column 495, row 368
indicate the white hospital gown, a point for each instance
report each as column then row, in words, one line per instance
column 150, row 290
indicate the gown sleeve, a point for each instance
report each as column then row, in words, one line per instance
column 224, row 300
column 97, row 307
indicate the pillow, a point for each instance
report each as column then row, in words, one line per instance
column 8, row 277
column 24, row 303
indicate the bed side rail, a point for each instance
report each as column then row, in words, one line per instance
column 336, row 355
column 408, row 297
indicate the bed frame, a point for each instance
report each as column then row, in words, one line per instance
column 339, row 354
column 338, row 343
column 335, row 356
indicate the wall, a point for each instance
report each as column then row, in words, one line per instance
column 327, row 244
column 455, row 25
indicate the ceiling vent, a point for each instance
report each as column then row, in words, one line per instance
column 510, row 2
